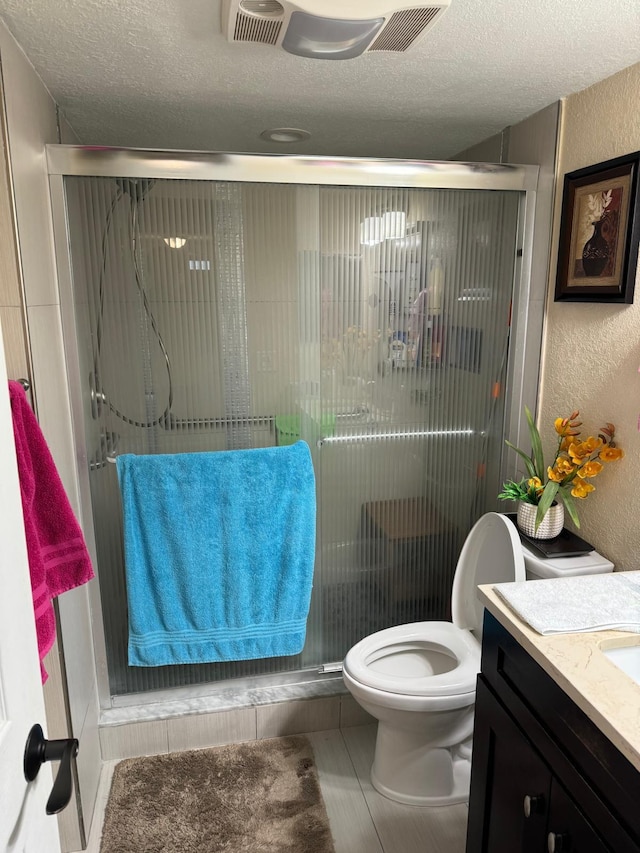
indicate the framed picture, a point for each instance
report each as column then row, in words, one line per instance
column 599, row 233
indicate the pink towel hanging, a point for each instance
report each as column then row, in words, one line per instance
column 58, row 556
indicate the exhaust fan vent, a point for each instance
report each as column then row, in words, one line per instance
column 403, row 28
column 264, row 31
column 331, row 29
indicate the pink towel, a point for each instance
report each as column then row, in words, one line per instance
column 58, row 556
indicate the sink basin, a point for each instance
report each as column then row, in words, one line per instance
column 626, row 658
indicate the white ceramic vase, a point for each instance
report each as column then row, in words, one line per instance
column 550, row 526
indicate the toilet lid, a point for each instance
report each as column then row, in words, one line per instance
column 492, row 553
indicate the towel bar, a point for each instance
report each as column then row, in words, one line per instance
column 213, row 423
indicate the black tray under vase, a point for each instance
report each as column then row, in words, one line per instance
column 565, row 544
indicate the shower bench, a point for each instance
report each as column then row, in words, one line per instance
column 401, row 534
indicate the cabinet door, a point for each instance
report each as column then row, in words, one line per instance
column 568, row 829
column 510, row 784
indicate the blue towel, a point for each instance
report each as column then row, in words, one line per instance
column 219, row 553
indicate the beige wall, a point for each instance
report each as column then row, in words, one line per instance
column 592, row 351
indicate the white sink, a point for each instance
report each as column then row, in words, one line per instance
column 626, row 658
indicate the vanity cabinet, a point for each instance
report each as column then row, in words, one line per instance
column 544, row 777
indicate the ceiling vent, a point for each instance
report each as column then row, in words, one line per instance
column 330, row 29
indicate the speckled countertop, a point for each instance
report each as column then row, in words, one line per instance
column 604, row 692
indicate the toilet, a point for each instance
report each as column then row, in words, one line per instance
column 419, row 680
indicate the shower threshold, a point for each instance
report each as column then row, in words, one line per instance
column 222, row 696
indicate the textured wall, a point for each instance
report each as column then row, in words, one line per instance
column 592, row 351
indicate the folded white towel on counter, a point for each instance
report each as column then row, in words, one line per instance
column 577, row 604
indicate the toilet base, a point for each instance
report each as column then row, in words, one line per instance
column 425, row 768
column 459, row 790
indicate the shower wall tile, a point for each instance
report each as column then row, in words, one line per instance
column 273, row 337
column 88, row 768
column 288, row 718
column 270, row 246
column 51, row 391
column 274, row 328
column 15, row 345
column 134, row 739
column 75, row 612
column 68, row 136
column 198, row 731
column 58, row 727
column 31, row 117
column 10, row 288
column 202, row 730
column 352, row 714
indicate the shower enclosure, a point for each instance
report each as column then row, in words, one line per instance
column 216, row 301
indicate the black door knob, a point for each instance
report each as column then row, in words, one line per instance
column 38, row 750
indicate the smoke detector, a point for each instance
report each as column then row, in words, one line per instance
column 343, row 30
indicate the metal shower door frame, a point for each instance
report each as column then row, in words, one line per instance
column 78, row 161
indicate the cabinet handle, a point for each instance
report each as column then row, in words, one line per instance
column 533, row 805
column 558, row 842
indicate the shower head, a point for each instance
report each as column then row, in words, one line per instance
column 136, row 188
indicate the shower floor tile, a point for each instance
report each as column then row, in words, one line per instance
column 362, row 821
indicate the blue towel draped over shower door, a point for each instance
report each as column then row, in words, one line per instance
column 219, row 553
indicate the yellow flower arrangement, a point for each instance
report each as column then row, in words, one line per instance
column 575, row 462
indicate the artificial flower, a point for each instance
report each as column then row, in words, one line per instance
column 610, row 454
column 581, row 489
column 574, row 462
column 590, row 469
column 567, row 426
column 535, row 483
column 583, row 450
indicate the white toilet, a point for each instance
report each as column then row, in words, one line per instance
column 419, row 680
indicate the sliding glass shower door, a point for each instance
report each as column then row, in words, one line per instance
column 371, row 322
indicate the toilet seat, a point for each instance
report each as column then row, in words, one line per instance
column 397, row 660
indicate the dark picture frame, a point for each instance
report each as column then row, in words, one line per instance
column 599, row 232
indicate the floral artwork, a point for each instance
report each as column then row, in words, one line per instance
column 599, row 233
column 599, row 216
column 598, row 236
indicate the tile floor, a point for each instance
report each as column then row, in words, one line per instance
column 362, row 821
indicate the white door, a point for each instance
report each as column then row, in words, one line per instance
column 24, row 824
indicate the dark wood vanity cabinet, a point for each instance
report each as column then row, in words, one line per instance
column 544, row 778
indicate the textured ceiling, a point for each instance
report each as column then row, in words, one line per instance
column 159, row 74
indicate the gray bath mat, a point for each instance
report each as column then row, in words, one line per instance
column 257, row 797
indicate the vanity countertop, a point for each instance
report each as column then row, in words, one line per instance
column 609, row 697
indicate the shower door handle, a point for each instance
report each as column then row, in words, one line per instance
column 38, row 750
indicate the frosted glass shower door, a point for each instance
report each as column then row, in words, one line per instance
column 415, row 320
column 371, row 323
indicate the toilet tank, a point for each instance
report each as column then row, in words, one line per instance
column 537, row 567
